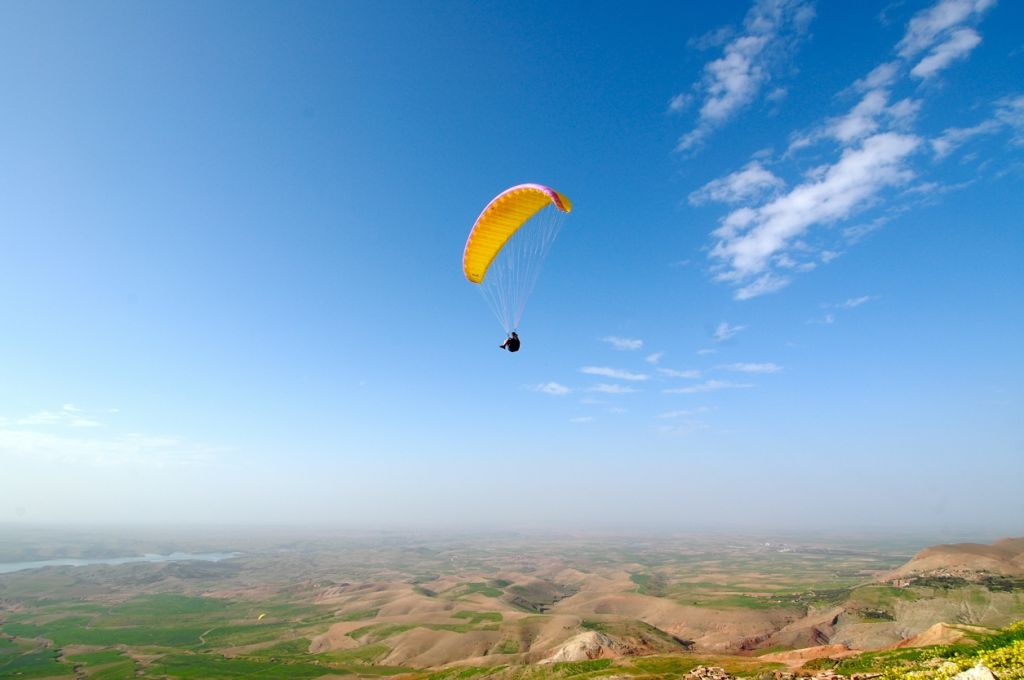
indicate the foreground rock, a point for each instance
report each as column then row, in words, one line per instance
column 979, row 672
column 715, row 673
column 708, row 673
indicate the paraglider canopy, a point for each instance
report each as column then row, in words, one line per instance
column 508, row 243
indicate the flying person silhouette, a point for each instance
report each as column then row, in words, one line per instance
column 511, row 343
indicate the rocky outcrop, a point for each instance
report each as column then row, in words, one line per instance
column 588, row 645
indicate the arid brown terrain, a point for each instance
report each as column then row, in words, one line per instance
column 401, row 603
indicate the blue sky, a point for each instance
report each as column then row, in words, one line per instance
column 789, row 294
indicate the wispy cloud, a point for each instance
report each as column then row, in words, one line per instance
column 683, row 428
column 618, row 374
column 953, row 137
column 751, row 238
column 711, row 39
column 856, row 233
column 959, row 44
column 871, row 113
column 605, row 388
column 673, row 373
column 766, row 367
column 760, row 245
column 680, row 102
column 752, row 182
column 683, row 413
column 771, row 29
column 827, row 319
column 623, row 343
column 850, row 303
column 553, row 388
column 882, row 76
column 67, row 415
column 724, row 331
column 654, row 358
column 36, row 439
column 1009, row 113
column 708, row 386
column 931, row 25
column 582, row 419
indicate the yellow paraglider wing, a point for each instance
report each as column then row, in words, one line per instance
column 261, row 617
column 501, row 219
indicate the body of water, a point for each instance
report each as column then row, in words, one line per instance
column 8, row 567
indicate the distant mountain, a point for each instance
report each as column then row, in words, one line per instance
column 969, row 561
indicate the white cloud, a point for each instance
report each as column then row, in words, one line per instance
column 881, row 76
column 762, row 285
column 553, row 388
column 1009, row 113
column 679, row 103
column 761, row 244
column 749, row 237
column 951, row 138
column 866, row 117
column 623, row 343
column 850, row 303
column 69, row 415
column 672, row 373
column 582, row 419
column 854, row 234
column 829, row 318
column 708, row 386
column 766, row 367
column 752, row 182
column 684, row 413
column 682, row 429
column 125, row 450
column 724, row 332
column 958, row 46
column 862, row 119
column 930, row 25
column 733, row 81
column 654, row 358
column 706, row 351
column 616, row 373
column 605, row 388
column 715, row 38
